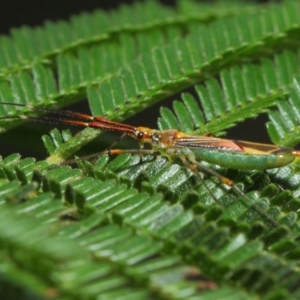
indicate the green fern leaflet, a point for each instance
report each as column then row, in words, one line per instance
column 145, row 227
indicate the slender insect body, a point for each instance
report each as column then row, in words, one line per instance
column 189, row 149
column 239, row 155
column 242, row 161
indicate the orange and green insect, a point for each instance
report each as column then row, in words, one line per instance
column 190, row 149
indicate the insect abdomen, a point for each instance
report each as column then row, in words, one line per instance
column 244, row 161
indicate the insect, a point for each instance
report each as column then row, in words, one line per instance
column 234, row 154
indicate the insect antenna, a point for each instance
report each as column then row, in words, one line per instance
column 71, row 118
column 63, row 113
column 83, row 120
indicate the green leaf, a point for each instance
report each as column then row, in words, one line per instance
column 145, row 226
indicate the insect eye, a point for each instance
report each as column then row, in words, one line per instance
column 140, row 135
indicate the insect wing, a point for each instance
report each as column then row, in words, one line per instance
column 207, row 143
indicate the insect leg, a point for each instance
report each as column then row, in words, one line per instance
column 193, row 168
column 109, row 152
column 236, row 189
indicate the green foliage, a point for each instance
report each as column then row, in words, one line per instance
column 144, row 227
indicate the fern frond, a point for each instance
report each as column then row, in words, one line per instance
column 176, row 231
column 86, row 30
column 183, row 54
column 284, row 128
column 242, row 92
column 140, row 227
column 183, row 63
